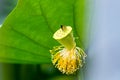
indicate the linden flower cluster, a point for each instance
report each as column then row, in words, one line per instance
column 67, row 58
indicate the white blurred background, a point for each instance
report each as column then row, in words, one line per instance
column 104, row 52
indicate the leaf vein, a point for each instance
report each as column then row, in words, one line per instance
column 30, row 39
column 37, row 54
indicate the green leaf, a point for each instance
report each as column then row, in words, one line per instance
column 26, row 34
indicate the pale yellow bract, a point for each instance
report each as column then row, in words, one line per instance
column 61, row 34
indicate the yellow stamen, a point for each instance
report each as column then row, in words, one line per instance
column 68, row 61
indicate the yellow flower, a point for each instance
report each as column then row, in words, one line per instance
column 68, row 61
column 67, row 58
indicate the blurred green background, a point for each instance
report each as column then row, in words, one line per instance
column 27, row 71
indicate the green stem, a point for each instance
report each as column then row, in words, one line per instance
column 81, row 74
